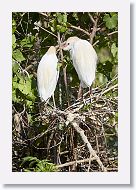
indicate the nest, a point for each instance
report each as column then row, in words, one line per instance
column 81, row 138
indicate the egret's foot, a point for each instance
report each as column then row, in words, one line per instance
column 84, row 101
column 90, row 99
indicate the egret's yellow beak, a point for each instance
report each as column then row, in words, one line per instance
column 64, row 44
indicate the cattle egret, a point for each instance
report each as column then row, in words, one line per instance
column 47, row 75
column 84, row 59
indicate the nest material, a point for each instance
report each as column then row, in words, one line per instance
column 83, row 137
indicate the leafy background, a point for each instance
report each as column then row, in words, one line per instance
column 32, row 34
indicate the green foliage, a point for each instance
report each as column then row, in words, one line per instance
column 114, row 51
column 33, row 164
column 111, row 20
column 23, row 83
column 58, row 22
column 13, row 26
column 27, row 42
column 18, row 56
column 22, row 87
column 16, row 53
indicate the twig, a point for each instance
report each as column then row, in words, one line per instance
column 75, row 162
column 107, row 90
column 91, row 18
column 44, row 14
column 80, row 29
column 94, row 44
column 31, row 66
column 45, row 30
column 112, row 33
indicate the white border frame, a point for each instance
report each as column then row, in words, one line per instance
column 9, row 177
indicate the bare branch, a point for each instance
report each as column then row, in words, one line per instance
column 95, row 43
column 94, row 30
column 80, row 29
column 91, row 18
column 107, row 90
column 45, row 30
column 112, row 33
column 44, row 14
column 75, row 162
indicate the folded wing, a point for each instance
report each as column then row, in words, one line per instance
column 47, row 76
column 84, row 60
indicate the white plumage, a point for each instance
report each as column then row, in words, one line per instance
column 47, row 74
column 84, row 59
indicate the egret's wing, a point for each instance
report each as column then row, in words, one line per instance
column 84, row 60
column 47, row 76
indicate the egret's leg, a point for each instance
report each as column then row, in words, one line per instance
column 84, row 101
column 80, row 92
column 90, row 93
column 53, row 100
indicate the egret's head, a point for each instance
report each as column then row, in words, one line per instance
column 51, row 50
column 67, row 45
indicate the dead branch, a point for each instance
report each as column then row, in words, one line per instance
column 71, row 119
column 111, row 33
column 75, row 162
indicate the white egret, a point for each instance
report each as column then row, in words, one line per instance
column 84, row 59
column 47, row 75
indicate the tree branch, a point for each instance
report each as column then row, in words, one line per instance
column 94, row 30
column 112, row 33
column 44, row 14
column 74, row 162
column 91, row 18
column 80, row 29
column 45, row 30
column 71, row 119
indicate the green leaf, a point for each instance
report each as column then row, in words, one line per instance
column 104, row 55
column 114, row 50
column 75, row 16
column 62, row 18
column 59, row 65
column 13, row 26
column 24, row 86
column 53, row 24
column 111, row 22
column 15, row 67
column 63, row 29
column 29, row 159
column 59, row 18
column 106, row 18
column 65, row 18
column 27, row 42
column 13, row 41
column 29, row 117
column 52, row 29
column 18, row 56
